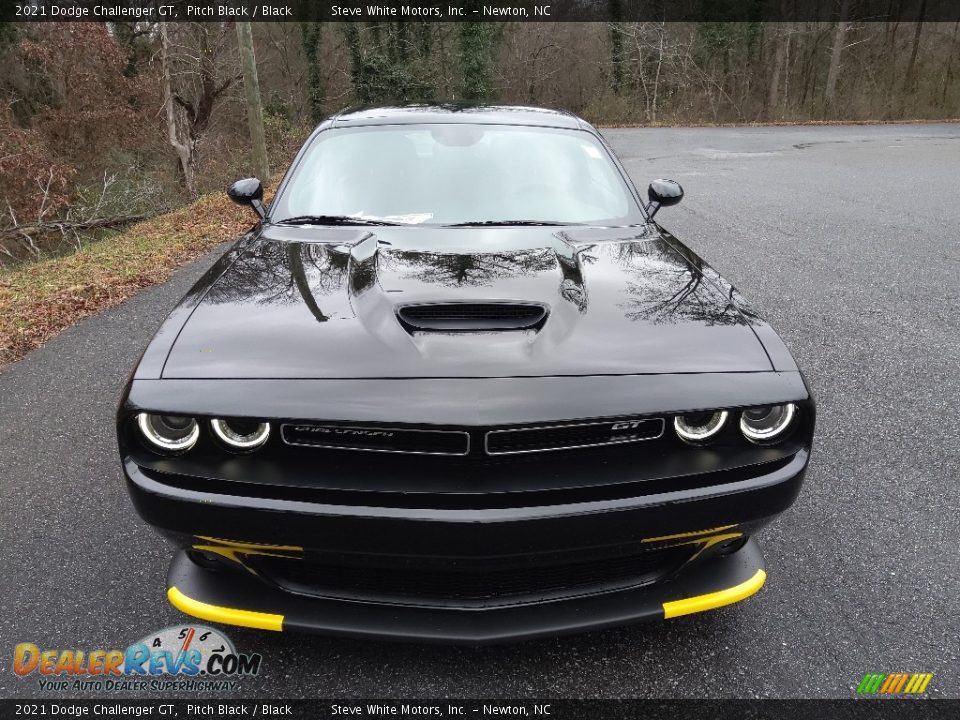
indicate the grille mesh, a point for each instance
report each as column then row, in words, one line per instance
column 378, row 439
column 472, row 316
column 567, row 437
column 508, row 441
column 470, row 584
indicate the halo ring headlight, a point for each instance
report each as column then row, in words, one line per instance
column 169, row 433
column 767, row 423
column 242, row 439
column 692, row 428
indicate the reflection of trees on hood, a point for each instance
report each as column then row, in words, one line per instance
column 284, row 273
column 572, row 288
column 733, row 296
column 667, row 287
column 467, row 269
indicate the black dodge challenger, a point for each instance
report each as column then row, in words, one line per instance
column 457, row 385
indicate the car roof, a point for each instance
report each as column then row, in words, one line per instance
column 424, row 113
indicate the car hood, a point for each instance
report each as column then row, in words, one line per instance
column 305, row 302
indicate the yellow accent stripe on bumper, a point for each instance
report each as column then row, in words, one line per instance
column 699, row 603
column 250, row 546
column 228, row 616
column 676, row 536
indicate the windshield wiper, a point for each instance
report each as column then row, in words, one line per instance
column 498, row 223
column 332, row 220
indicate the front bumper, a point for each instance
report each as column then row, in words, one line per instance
column 245, row 601
column 749, row 502
column 264, row 529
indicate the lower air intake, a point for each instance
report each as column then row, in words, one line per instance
column 466, row 583
column 464, row 317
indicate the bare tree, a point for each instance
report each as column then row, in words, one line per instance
column 251, row 87
column 177, row 132
column 648, row 54
column 311, row 35
column 948, row 70
column 617, row 54
column 839, row 38
column 195, row 77
column 781, row 41
column 908, row 77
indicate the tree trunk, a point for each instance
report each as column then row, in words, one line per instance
column 948, row 72
column 251, row 87
column 358, row 75
column 179, row 139
column 475, row 57
column 908, row 77
column 782, row 38
column 310, row 36
column 788, row 41
column 72, row 226
column 617, row 54
column 839, row 37
column 656, row 77
column 780, row 55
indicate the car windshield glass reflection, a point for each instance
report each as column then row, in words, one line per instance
column 458, row 175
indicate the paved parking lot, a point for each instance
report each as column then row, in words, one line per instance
column 847, row 238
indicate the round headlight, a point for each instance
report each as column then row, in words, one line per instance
column 240, row 434
column 763, row 424
column 699, row 427
column 170, row 433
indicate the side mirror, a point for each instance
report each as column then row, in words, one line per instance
column 663, row 193
column 248, row 191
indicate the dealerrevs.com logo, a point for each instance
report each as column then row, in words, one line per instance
column 191, row 657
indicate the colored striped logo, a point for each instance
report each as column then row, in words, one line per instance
column 894, row 683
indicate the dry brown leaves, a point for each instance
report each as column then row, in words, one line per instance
column 39, row 300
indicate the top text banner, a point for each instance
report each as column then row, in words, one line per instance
column 478, row 10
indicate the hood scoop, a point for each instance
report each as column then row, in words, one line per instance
column 471, row 317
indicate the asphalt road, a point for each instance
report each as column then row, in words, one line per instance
column 846, row 237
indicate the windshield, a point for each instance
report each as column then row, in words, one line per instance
column 457, row 174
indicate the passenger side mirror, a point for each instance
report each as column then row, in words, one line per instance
column 663, row 193
column 249, row 191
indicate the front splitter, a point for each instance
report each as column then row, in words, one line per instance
column 235, row 599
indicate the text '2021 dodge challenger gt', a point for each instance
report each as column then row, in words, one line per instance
column 457, row 385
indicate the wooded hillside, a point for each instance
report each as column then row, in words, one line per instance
column 103, row 123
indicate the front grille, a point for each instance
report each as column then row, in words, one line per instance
column 476, row 583
column 566, row 437
column 507, row 441
column 378, row 439
column 472, row 316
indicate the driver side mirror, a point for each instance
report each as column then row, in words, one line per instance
column 662, row 193
column 248, row 191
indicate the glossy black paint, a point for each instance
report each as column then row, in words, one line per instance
column 248, row 191
column 462, row 626
column 663, row 193
column 300, row 324
column 622, row 301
